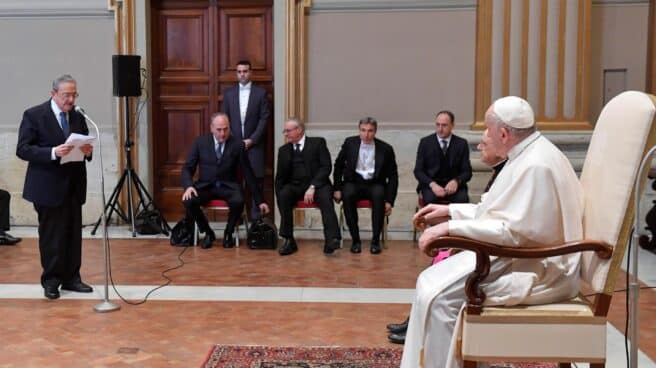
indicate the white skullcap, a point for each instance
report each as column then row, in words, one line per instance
column 514, row 111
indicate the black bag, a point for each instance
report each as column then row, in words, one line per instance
column 150, row 222
column 262, row 234
column 181, row 235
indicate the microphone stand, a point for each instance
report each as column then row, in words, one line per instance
column 634, row 286
column 105, row 305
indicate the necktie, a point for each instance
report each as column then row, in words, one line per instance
column 298, row 148
column 444, row 145
column 64, row 123
column 219, row 149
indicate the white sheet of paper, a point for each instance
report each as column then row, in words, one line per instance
column 77, row 140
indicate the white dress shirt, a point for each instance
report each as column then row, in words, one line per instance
column 244, row 95
column 366, row 160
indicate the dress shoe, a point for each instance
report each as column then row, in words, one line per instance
column 356, row 247
column 207, row 242
column 330, row 246
column 375, row 247
column 6, row 239
column 397, row 338
column 228, row 240
column 288, row 247
column 51, row 292
column 398, row 327
column 79, row 286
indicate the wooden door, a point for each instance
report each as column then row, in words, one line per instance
column 195, row 46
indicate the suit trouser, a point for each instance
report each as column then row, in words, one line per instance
column 289, row 194
column 235, row 200
column 351, row 194
column 460, row 196
column 5, row 197
column 60, row 242
column 255, row 207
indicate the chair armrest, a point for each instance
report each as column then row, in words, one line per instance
column 483, row 250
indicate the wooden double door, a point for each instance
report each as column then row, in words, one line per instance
column 195, row 45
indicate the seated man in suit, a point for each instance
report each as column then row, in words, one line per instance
column 365, row 168
column 5, row 237
column 442, row 166
column 303, row 172
column 217, row 156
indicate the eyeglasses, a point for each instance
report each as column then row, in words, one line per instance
column 285, row 131
column 68, row 95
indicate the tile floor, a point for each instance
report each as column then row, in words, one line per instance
column 227, row 296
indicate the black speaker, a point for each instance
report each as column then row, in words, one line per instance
column 126, row 74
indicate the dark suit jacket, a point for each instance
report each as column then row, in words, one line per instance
column 431, row 162
column 317, row 159
column 385, row 171
column 211, row 170
column 255, row 124
column 47, row 182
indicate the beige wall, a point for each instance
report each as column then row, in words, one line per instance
column 619, row 40
column 398, row 66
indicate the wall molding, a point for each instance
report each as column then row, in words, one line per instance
column 388, row 5
column 619, row 2
column 53, row 8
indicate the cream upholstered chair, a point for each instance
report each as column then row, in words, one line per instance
column 573, row 330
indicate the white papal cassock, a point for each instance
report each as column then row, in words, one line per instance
column 536, row 199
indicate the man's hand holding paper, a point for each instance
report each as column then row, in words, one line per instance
column 81, row 147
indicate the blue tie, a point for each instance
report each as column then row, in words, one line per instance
column 64, row 123
column 219, row 148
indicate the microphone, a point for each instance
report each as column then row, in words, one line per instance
column 105, row 305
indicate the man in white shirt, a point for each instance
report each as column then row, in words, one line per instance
column 536, row 200
column 247, row 108
column 365, row 168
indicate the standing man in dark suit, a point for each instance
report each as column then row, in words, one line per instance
column 303, row 172
column 217, row 155
column 5, row 237
column 247, row 108
column 57, row 190
column 442, row 166
column 365, row 168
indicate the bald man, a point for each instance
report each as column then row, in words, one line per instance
column 536, row 200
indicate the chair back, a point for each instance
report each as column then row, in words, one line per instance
column 622, row 136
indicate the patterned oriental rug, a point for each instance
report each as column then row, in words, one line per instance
column 238, row 356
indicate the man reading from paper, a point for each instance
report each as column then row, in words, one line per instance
column 536, row 200
column 56, row 190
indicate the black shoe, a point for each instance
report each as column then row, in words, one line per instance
column 79, row 286
column 375, row 247
column 356, row 247
column 228, row 240
column 51, row 292
column 398, row 327
column 331, row 246
column 6, row 239
column 397, row 338
column 207, row 242
column 288, row 247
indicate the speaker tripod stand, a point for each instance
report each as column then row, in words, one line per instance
column 131, row 180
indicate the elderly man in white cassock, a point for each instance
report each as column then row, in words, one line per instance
column 536, row 200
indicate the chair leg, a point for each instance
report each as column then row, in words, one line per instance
column 597, row 365
column 385, row 223
column 414, row 230
column 564, row 365
column 341, row 225
column 195, row 233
